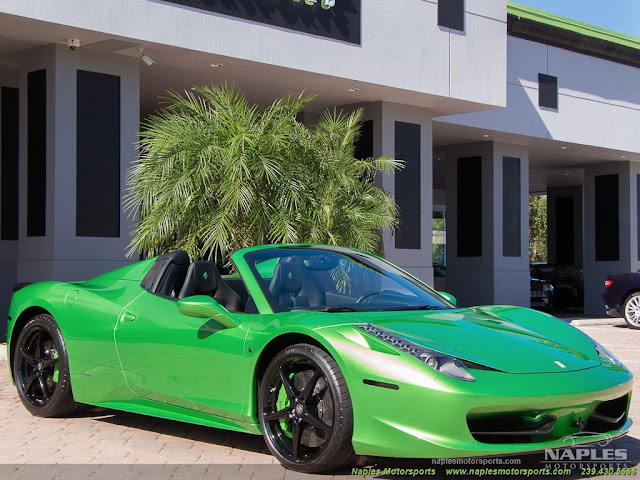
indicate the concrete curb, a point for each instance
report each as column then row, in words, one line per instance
column 598, row 322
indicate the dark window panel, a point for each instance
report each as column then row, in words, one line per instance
column 364, row 144
column 547, row 91
column 469, row 196
column 37, row 153
column 607, row 216
column 451, row 14
column 565, row 225
column 511, row 207
column 341, row 22
column 407, row 186
column 98, row 155
column 9, row 167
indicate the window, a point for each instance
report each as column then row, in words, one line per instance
column 451, row 14
column 547, row 91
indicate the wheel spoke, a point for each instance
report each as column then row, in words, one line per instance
column 296, row 434
column 316, row 422
column 27, row 356
column 288, row 388
column 29, row 383
column 311, row 384
column 49, row 362
column 38, row 340
column 277, row 415
column 43, row 387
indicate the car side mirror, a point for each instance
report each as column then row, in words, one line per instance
column 449, row 298
column 203, row 306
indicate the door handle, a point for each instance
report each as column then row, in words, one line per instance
column 127, row 317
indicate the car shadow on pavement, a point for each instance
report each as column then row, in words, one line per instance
column 180, row 430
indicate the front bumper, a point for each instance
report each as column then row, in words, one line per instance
column 418, row 422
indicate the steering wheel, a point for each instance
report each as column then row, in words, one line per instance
column 363, row 297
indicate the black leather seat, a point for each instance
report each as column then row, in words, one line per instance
column 290, row 287
column 167, row 274
column 203, row 278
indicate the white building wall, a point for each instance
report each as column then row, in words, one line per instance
column 599, row 100
column 402, row 44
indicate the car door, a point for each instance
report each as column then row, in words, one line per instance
column 184, row 361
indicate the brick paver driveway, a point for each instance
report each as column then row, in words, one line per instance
column 114, row 445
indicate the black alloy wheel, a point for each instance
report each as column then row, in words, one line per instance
column 41, row 369
column 305, row 410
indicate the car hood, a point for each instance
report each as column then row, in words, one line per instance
column 509, row 339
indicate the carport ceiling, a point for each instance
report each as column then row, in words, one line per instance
column 551, row 162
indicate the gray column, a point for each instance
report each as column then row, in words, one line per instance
column 405, row 132
column 611, row 226
column 8, row 241
column 59, row 248
column 564, row 225
column 488, row 223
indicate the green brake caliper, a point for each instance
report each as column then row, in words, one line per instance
column 55, row 367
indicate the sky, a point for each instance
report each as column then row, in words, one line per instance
column 618, row 15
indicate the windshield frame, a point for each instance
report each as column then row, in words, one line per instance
column 243, row 262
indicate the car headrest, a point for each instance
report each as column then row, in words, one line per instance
column 202, row 279
column 287, row 278
column 155, row 273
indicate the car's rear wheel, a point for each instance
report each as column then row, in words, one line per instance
column 632, row 310
column 41, row 369
column 305, row 410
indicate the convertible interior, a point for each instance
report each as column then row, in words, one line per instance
column 292, row 282
column 174, row 277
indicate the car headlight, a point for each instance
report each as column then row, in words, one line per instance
column 606, row 354
column 445, row 364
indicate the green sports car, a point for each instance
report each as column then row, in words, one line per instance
column 328, row 352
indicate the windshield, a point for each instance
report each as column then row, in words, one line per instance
column 336, row 280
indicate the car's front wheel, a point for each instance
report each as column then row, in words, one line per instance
column 305, row 410
column 632, row 310
column 41, row 369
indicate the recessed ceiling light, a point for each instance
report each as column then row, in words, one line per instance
column 486, row 135
column 624, row 156
column 567, row 174
column 565, row 147
column 353, row 90
column 216, row 65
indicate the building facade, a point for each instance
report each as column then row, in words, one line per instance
column 485, row 102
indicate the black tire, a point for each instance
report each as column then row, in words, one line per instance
column 41, row 369
column 302, row 386
column 631, row 310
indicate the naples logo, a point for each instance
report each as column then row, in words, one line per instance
column 586, row 454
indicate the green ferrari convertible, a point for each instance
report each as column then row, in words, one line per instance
column 327, row 352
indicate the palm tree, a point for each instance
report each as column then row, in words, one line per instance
column 217, row 174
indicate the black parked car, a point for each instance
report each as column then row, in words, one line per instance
column 541, row 294
column 567, row 282
column 622, row 297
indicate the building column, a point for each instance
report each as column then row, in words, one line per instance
column 488, row 223
column 9, row 158
column 79, row 118
column 611, row 205
column 564, row 225
column 405, row 133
